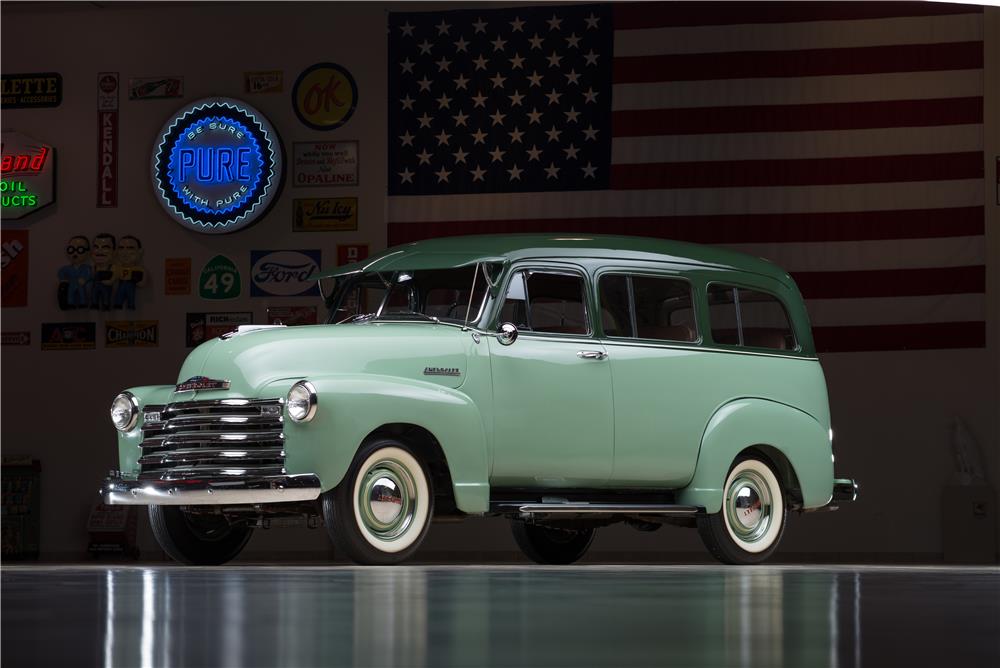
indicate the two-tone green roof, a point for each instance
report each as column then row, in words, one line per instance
column 461, row 251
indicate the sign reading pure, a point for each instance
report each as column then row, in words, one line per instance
column 28, row 175
column 217, row 166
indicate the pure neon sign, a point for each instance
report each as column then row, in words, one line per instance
column 217, row 166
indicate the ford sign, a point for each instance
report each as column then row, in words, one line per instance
column 284, row 273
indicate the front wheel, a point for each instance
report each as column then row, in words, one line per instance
column 544, row 545
column 749, row 527
column 196, row 539
column 381, row 510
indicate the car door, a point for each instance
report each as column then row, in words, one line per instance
column 552, row 402
column 663, row 387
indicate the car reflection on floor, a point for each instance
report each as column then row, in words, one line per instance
column 500, row 616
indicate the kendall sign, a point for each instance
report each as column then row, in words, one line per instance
column 28, row 175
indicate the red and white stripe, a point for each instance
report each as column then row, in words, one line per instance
column 844, row 141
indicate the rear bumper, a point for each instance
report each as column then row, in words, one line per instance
column 214, row 492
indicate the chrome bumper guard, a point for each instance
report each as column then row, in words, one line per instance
column 210, row 492
column 845, row 490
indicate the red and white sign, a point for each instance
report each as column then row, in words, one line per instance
column 107, row 139
column 349, row 253
column 14, row 267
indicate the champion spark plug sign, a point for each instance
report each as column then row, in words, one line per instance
column 217, row 166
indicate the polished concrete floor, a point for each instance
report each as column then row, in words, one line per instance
column 621, row 616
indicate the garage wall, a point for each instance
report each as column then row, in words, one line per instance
column 892, row 411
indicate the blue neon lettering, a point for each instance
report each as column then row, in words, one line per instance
column 207, row 164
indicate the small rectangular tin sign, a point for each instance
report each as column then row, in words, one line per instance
column 69, row 336
column 15, row 338
column 132, row 334
column 177, row 276
column 31, row 91
column 264, row 81
column 201, row 327
column 325, row 214
column 155, row 88
column 325, row 163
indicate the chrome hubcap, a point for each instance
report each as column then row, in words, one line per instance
column 387, row 499
column 748, row 506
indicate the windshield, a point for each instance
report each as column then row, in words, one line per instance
column 417, row 295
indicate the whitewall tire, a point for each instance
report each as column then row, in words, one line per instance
column 382, row 509
column 750, row 524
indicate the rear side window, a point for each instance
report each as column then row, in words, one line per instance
column 750, row 318
column 546, row 302
column 647, row 307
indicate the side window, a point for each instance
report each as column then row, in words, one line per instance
column 616, row 309
column 546, row 302
column 745, row 317
column 764, row 321
column 722, row 314
column 663, row 309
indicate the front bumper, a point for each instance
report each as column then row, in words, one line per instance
column 210, row 492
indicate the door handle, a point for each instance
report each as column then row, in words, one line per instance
column 592, row 354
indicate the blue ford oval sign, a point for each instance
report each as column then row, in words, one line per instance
column 217, row 165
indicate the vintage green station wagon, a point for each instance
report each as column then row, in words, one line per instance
column 565, row 383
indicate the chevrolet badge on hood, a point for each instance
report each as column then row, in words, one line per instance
column 201, row 383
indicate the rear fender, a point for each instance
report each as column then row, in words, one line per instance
column 745, row 423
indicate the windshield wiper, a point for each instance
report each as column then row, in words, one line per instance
column 406, row 314
column 357, row 317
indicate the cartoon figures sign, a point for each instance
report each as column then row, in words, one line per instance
column 102, row 274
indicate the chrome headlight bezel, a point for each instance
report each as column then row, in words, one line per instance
column 133, row 405
column 303, row 407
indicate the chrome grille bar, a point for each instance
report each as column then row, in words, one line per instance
column 222, row 438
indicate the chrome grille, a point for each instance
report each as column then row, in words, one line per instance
column 202, row 439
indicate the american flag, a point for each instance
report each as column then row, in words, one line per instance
column 843, row 141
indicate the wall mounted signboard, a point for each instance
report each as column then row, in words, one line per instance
column 325, row 163
column 217, row 165
column 325, row 96
column 31, row 91
column 28, row 175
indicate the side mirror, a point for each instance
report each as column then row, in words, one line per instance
column 507, row 334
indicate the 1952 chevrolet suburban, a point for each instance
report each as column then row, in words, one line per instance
column 565, row 383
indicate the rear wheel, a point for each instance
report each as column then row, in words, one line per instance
column 197, row 539
column 545, row 545
column 752, row 521
column 381, row 510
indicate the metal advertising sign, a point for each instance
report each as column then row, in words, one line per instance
column 27, row 176
column 132, row 334
column 284, row 273
column 14, row 261
column 154, row 88
column 325, row 96
column 69, row 336
column 220, row 279
column 177, row 276
column 265, row 81
column 350, row 253
column 15, row 338
column 291, row 315
column 217, row 166
column 203, row 327
column 329, row 163
column 31, row 91
column 325, row 214
column 107, row 140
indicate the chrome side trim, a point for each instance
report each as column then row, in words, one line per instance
column 580, row 508
column 214, row 492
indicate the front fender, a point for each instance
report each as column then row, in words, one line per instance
column 352, row 406
column 744, row 423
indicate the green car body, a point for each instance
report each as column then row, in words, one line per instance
column 551, row 411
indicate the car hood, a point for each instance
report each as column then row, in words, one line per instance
column 253, row 358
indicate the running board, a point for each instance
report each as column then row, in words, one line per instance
column 579, row 508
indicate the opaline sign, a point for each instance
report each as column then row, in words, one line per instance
column 217, row 166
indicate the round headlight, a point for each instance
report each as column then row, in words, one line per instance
column 301, row 401
column 125, row 411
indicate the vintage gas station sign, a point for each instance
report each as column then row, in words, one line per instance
column 27, row 182
column 217, row 166
column 325, row 96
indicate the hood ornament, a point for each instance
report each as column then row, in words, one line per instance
column 196, row 383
